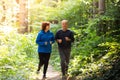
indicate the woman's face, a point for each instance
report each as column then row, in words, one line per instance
column 47, row 28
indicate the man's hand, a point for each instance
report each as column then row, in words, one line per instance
column 59, row 41
column 67, row 39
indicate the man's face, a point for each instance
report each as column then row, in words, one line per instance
column 64, row 25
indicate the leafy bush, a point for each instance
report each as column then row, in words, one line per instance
column 17, row 58
column 93, row 55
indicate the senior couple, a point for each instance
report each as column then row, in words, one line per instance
column 45, row 39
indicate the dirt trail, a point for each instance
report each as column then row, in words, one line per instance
column 51, row 74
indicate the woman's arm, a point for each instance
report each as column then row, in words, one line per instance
column 38, row 40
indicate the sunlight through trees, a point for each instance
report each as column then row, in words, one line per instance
column 95, row 54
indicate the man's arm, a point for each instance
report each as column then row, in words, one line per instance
column 72, row 37
column 57, row 38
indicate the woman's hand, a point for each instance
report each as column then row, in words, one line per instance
column 46, row 43
column 50, row 42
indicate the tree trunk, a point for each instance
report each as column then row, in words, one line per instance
column 23, row 16
column 102, row 24
column 95, row 7
column 4, row 11
column 101, row 6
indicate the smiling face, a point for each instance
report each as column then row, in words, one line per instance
column 47, row 28
column 64, row 25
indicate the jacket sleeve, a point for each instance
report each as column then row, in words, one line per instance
column 38, row 40
column 72, row 36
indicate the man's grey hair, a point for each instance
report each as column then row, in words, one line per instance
column 66, row 21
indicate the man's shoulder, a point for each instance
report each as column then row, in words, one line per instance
column 70, row 31
column 60, row 30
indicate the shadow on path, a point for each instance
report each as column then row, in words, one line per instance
column 51, row 74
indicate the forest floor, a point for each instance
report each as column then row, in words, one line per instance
column 51, row 74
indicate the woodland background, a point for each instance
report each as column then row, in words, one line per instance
column 95, row 53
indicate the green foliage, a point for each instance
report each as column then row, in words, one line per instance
column 96, row 43
column 55, row 58
column 95, row 52
column 69, row 9
column 96, row 49
column 93, row 55
column 76, row 11
column 17, row 56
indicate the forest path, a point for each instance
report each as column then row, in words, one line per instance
column 51, row 74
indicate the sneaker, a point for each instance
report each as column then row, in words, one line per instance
column 44, row 77
column 64, row 78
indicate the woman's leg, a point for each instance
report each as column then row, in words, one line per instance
column 41, row 61
column 47, row 57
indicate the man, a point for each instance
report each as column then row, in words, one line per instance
column 64, row 39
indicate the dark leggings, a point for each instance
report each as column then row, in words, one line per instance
column 43, row 60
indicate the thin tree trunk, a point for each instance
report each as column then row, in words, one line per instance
column 102, row 24
column 101, row 6
column 23, row 16
column 95, row 7
column 4, row 10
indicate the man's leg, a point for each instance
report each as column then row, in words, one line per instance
column 47, row 57
column 62, row 57
column 67, row 59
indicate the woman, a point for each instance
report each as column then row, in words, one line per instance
column 45, row 39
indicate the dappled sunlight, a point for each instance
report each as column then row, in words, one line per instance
column 51, row 74
column 95, row 53
column 7, row 29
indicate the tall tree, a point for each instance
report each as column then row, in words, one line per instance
column 98, row 6
column 95, row 7
column 23, row 16
column 4, row 10
column 101, row 6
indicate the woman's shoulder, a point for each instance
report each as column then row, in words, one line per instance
column 40, row 32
